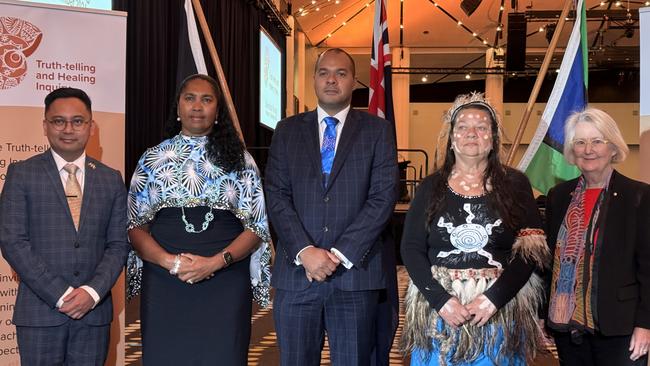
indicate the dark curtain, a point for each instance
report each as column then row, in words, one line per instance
column 152, row 45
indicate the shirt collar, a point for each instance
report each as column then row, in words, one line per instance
column 80, row 162
column 341, row 116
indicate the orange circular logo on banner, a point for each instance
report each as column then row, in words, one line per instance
column 18, row 40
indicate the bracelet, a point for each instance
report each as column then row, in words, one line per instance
column 176, row 266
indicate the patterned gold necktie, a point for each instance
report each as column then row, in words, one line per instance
column 73, row 193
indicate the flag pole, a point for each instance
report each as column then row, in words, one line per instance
column 538, row 82
column 217, row 65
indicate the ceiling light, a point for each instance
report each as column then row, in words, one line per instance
column 401, row 26
column 541, row 29
column 474, row 34
column 618, row 3
column 499, row 29
column 317, row 9
column 425, row 79
column 460, row 23
column 647, row 3
column 484, row 42
column 313, row 2
column 468, row 76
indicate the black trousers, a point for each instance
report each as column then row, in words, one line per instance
column 595, row 350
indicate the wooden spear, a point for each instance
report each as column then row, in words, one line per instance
column 538, row 83
column 221, row 77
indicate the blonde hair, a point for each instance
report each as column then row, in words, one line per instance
column 604, row 123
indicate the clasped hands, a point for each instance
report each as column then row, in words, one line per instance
column 77, row 303
column 195, row 268
column 477, row 312
column 319, row 263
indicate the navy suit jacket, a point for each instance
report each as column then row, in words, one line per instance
column 350, row 214
column 40, row 242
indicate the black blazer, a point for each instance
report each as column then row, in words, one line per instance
column 349, row 214
column 623, row 283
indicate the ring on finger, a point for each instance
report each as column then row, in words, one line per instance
column 190, row 281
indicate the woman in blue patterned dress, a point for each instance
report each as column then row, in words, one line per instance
column 198, row 222
column 472, row 238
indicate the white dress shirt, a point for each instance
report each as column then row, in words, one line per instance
column 80, row 162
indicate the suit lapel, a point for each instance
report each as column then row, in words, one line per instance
column 310, row 136
column 348, row 136
column 55, row 180
column 88, row 192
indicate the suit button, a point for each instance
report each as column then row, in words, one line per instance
column 326, row 229
column 76, row 244
column 326, row 199
column 76, row 273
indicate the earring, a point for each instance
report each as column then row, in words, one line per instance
column 178, row 119
column 216, row 121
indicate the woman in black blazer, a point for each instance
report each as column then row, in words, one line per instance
column 598, row 226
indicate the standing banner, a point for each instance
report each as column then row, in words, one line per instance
column 644, row 100
column 42, row 48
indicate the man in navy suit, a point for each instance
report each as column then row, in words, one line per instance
column 63, row 230
column 331, row 182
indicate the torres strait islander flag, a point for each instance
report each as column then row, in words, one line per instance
column 543, row 161
column 190, row 53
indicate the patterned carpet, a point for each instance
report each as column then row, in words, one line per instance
column 263, row 349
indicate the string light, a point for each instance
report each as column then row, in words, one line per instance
column 618, row 3
column 468, row 76
column 341, row 25
column 541, row 29
column 425, row 78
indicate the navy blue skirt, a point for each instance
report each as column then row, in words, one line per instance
column 207, row 323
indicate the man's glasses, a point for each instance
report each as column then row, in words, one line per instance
column 77, row 124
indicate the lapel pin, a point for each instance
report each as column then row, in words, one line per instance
column 91, row 165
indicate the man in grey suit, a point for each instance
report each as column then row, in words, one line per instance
column 331, row 181
column 63, row 230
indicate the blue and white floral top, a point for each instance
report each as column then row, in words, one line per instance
column 178, row 173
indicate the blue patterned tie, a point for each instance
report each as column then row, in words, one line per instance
column 328, row 149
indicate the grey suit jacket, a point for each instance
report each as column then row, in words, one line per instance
column 349, row 214
column 40, row 242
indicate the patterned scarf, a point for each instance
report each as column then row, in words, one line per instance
column 574, row 267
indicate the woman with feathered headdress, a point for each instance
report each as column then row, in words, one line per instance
column 472, row 239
